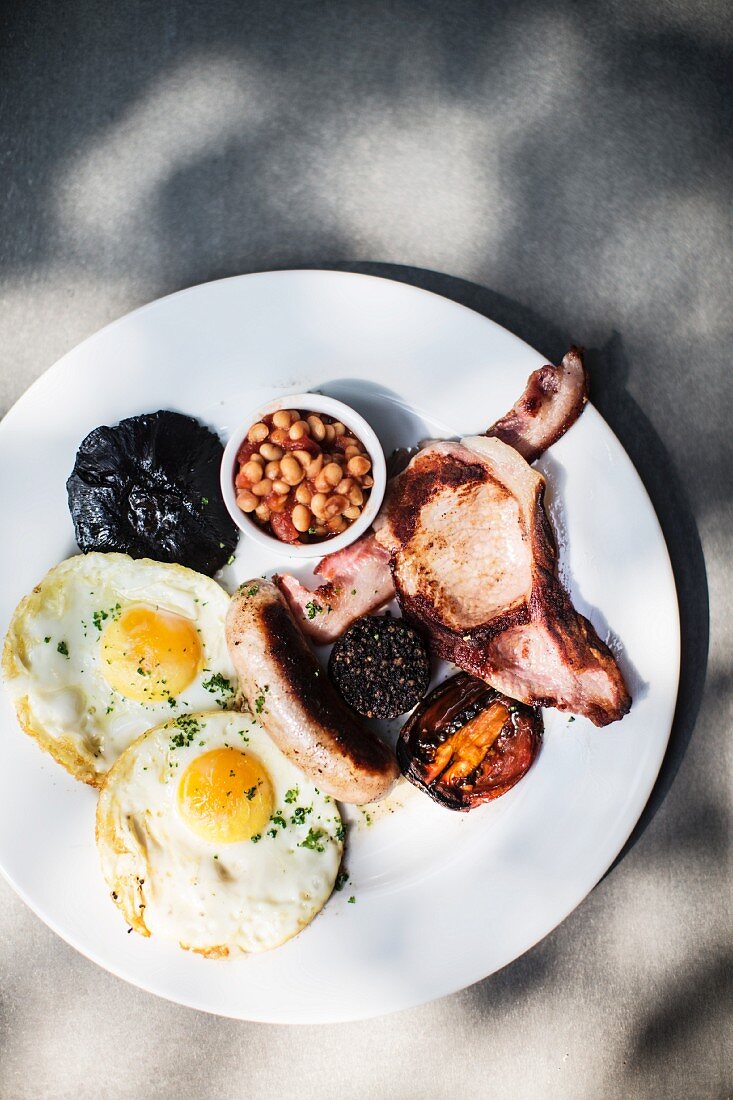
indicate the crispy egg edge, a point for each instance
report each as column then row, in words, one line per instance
column 63, row 750
column 129, row 893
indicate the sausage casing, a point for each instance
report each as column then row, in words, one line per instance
column 290, row 694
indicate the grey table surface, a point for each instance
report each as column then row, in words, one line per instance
column 564, row 169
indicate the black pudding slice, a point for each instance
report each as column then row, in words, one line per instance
column 149, row 487
column 380, row 666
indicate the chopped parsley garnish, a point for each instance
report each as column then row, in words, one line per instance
column 171, row 701
column 291, row 795
column 278, row 819
column 341, row 879
column 188, row 728
column 252, row 590
column 249, row 795
column 352, row 900
column 312, row 609
column 259, row 704
column 218, row 683
column 272, row 833
column 256, row 837
column 341, row 832
column 313, row 840
column 204, row 500
column 47, row 639
column 63, row 649
column 101, row 616
column 299, row 814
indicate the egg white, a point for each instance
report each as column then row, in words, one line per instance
column 209, row 897
column 52, row 665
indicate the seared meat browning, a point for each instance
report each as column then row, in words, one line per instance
column 553, row 400
column 474, row 561
column 357, row 580
column 294, row 700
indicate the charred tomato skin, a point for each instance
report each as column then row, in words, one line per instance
column 467, row 743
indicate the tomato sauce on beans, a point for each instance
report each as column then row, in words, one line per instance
column 302, row 476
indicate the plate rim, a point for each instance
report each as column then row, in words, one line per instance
column 413, row 999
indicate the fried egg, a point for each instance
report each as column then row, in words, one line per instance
column 106, row 647
column 209, row 837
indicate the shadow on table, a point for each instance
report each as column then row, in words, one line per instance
column 609, row 374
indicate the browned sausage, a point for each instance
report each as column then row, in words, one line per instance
column 291, row 695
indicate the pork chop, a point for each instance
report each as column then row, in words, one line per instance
column 474, row 562
column 553, row 399
column 357, row 580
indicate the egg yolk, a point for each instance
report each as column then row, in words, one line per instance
column 148, row 654
column 225, row 795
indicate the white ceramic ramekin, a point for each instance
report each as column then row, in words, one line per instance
column 357, row 425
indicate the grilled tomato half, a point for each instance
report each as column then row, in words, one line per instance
column 467, row 743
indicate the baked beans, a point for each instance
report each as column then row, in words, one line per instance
column 302, row 476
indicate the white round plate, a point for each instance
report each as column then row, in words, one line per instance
column 441, row 899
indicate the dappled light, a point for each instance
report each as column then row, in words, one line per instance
column 563, row 169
